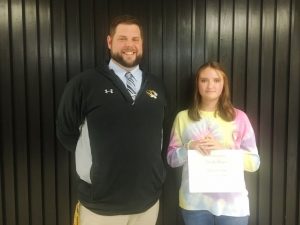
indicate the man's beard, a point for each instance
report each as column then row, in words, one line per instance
column 119, row 59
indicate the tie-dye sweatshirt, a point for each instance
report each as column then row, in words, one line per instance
column 236, row 135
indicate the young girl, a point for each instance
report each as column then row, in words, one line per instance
column 212, row 123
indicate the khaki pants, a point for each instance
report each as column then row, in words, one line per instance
column 86, row 217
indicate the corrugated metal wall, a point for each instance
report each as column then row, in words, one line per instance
column 45, row 43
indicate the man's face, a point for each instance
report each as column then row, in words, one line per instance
column 126, row 45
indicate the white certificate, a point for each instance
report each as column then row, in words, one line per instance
column 221, row 171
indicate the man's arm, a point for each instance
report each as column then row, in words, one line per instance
column 70, row 116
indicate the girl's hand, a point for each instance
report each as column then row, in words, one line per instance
column 205, row 145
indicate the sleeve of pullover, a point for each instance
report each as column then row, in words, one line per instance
column 70, row 116
column 177, row 153
column 247, row 141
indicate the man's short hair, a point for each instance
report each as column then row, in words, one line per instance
column 124, row 19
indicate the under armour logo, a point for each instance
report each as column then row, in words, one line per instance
column 106, row 91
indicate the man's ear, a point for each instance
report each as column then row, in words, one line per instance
column 109, row 40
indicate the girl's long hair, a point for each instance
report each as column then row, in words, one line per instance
column 225, row 108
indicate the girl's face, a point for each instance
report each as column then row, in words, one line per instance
column 210, row 85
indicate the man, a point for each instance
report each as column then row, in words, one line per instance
column 112, row 118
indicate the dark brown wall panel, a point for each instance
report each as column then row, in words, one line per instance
column 47, row 113
column 281, row 75
column 184, row 49
column 8, row 183
column 266, row 111
column 240, row 10
column 226, row 19
column 45, row 43
column 20, row 112
column 252, row 91
column 169, row 14
column 62, row 172
column 292, row 168
column 212, row 23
